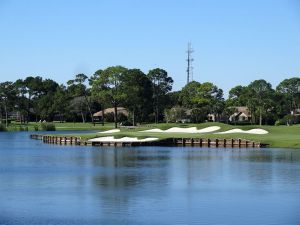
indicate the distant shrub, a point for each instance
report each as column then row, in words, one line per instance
column 23, row 128
column 2, row 127
column 240, row 123
column 48, row 126
column 36, row 127
column 288, row 120
column 126, row 123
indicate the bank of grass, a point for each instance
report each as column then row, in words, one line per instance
column 279, row 136
column 33, row 126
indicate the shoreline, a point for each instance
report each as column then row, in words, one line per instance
column 194, row 142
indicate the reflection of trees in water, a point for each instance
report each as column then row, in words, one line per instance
column 125, row 175
column 203, row 165
column 127, row 167
column 267, row 155
column 240, row 166
column 266, row 166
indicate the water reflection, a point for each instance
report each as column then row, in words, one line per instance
column 52, row 184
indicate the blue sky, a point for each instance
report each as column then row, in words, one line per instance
column 235, row 42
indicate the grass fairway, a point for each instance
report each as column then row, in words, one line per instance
column 279, row 136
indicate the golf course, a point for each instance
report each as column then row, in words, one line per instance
column 274, row 136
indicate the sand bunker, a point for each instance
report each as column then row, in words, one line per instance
column 123, row 139
column 252, row 131
column 191, row 130
column 109, row 131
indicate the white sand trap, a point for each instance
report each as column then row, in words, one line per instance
column 191, row 130
column 109, row 131
column 252, row 131
column 123, row 139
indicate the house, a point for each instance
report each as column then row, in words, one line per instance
column 241, row 114
column 211, row 117
column 295, row 112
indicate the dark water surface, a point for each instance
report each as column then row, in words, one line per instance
column 52, row 184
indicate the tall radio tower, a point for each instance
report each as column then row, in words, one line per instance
column 189, row 63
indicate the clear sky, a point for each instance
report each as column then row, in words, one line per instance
column 235, row 41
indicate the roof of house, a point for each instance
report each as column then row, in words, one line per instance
column 112, row 110
column 295, row 112
column 241, row 110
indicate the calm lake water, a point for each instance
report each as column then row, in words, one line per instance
column 52, row 184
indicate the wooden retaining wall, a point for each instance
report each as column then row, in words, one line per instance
column 58, row 140
column 199, row 142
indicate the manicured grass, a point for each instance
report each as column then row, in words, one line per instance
column 279, row 136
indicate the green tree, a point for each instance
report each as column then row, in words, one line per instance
column 108, row 85
column 44, row 102
column 61, row 100
column 260, row 95
column 189, row 93
column 290, row 88
column 173, row 99
column 78, row 88
column 161, row 85
column 29, row 88
column 137, row 91
column 237, row 96
column 96, row 91
column 7, row 97
column 203, row 98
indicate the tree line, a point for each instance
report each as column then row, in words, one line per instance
column 147, row 97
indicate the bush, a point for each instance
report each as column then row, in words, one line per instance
column 126, row 123
column 36, row 127
column 288, row 120
column 2, row 127
column 23, row 128
column 175, row 114
column 48, row 126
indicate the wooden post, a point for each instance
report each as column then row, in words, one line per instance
column 232, row 143
column 217, row 143
column 240, row 142
column 208, row 142
column 192, row 142
column 224, row 143
column 200, row 142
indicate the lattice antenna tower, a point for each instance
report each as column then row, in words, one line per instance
column 189, row 63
